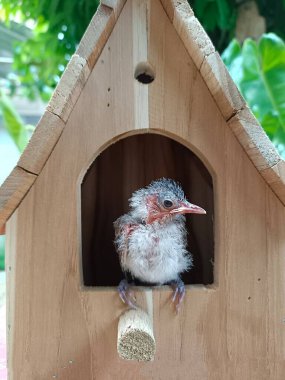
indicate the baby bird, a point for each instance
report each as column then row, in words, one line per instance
column 151, row 239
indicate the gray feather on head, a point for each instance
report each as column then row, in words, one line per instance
column 167, row 185
column 163, row 187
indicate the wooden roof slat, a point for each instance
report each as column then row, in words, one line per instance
column 172, row 7
column 207, row 60
column 254, row 140
column 275, row 177
column 41, row 143
column 67, row 91
column 116, row 5
column 99, row 31
column 12, row 191
column 69, row 87
column 222, row 87
column 193, row 35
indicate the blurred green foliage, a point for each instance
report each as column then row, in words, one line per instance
column 219, row 17
column 258, row 68
column 59, row 26
column 17, row 129
column 216, row 14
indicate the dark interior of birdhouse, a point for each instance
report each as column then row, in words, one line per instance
column 116, row 173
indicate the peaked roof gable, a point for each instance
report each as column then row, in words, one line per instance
column 199, row 47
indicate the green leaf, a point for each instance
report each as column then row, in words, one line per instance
column 232, row 52
column 272, row 49
column 210, row 17
column 214, row 14
column 232, row 59
column 270, row 123
column 13, row 123
column 259, row 71
column 200, row 7
column 224, row 14
column 279, row 142
column 263, row 82
column 207, row 13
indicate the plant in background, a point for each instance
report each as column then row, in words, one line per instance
column 218, row 17
column 258, row 69
column 17, row 129
column 58, row 26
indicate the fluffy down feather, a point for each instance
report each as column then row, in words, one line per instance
column 153, row 252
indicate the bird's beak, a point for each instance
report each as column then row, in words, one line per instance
column 186, row 207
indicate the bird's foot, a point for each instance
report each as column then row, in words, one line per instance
column 178, row 294
column 126, row 294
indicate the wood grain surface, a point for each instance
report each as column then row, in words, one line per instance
column 233, row 329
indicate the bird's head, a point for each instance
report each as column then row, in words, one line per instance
column 161, row 199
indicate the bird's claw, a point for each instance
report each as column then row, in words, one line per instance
column 179, row 293
column 126, row 294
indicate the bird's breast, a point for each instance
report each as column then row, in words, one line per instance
column 157, row 255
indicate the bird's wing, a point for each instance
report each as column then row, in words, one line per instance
column 124, row 226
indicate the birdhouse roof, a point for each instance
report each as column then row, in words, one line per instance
column 232, row 106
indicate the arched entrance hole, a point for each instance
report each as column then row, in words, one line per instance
column 124, row 167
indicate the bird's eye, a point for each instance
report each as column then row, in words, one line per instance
column 167, row 203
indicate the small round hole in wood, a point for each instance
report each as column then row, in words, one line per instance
column 144, row 73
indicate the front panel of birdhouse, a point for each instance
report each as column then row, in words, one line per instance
column 62, row 323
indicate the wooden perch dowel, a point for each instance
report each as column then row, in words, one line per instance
column 135, row 336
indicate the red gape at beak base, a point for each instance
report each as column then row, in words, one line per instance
column 188, row 208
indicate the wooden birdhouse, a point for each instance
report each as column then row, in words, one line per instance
column 145, row 96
